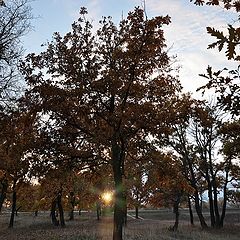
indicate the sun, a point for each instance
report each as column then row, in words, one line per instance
column 107, row 197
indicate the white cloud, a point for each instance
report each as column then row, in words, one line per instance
column 188, row 37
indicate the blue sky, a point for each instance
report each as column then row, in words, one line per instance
column 186, row 35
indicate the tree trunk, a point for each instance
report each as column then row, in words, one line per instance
column 190, row 211
column 72, row 204
column 215, row 201
column 14, row 202
column 125, row 208
column 118, row 215
column 196, row 194
column 3, row 192
column 211, row 206
column 176, row 211
column 98, row 210
column 71, row 215
column 224, row 201
column 17, row 209
column 36, row 213
column 199, row 211
column 60, row 208
column 119, row 205
column 136, row 212
column 55, row 222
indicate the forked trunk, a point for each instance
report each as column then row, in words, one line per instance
column 211, row 206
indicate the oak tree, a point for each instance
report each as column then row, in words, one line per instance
column 108, row 87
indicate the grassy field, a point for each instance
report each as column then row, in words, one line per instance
column 154, row 226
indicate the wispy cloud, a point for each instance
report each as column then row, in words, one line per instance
column 188, row 37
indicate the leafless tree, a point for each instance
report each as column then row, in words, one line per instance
column 15, row 16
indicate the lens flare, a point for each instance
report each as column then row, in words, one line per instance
column 107, row 197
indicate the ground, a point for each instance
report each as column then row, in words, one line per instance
column 153, row 226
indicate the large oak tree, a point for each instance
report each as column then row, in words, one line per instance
column 109, row 87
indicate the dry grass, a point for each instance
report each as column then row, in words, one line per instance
column 28, row 227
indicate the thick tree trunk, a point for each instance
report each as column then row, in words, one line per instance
column 60, row 208
column 119, row 205
column 190, row 211
column 118, row 216
column 3, row 192
column 14, row 203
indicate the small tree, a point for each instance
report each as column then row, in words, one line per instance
column 167, row 184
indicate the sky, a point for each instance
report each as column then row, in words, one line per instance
column 186, row 36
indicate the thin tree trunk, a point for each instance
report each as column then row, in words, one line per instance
column 72, row 204
column 196, row 194
column 215, row 201
column 14, row 202
column 224, row 201
column 98, row 210
column 125, row 209
column 199, row 211
column 211, row 206
column 136, row 212
column 190, row 211
column 71, row 215
column 176, row 211
column 17, row 209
